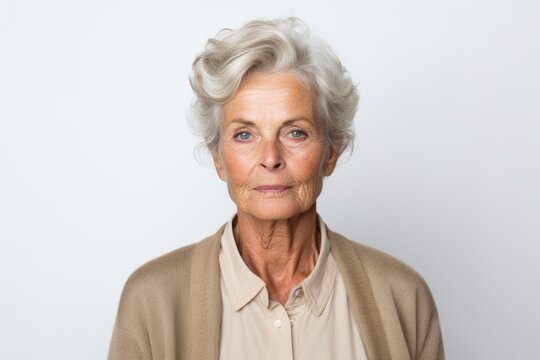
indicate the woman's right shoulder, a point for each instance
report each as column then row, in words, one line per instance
column 174, row 267
column 161, row 290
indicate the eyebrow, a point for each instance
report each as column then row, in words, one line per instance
column 285, row 123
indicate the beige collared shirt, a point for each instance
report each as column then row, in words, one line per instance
column 316, row 322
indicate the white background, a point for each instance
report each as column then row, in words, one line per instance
column 97, row 173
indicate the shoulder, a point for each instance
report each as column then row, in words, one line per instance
column 390, row 295
column 385, row 272
column 158, row 297
column 173, row 270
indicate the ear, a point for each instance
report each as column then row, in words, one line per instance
column 331, row 160
column 218, row 164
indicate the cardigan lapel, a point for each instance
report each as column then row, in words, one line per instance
column 205, row 310
column 359, row 290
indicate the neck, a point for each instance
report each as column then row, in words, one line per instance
column 281, row 252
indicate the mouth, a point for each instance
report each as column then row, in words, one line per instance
column 273, row 189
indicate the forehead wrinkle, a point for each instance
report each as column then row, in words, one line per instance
column 287, row 108
column 283, row 100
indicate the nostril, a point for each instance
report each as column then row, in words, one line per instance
column 272, row 165
column 271, row 156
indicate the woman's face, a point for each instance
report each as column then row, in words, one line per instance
column 273, row 153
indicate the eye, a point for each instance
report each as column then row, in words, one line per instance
column 242, row 136
column 297, row 134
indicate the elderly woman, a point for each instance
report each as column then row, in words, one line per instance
column 275, row 107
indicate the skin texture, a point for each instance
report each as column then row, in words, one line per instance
column 273, row 155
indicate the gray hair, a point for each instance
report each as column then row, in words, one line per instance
column 280, row 45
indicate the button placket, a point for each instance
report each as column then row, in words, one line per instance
column 283, row 333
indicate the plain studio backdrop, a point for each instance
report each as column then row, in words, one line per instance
column 98, row 176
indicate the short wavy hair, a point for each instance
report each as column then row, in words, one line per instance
column 270, row 46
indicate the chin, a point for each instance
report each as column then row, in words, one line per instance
column 269, row 211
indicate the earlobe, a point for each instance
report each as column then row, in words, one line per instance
column 331, row 161
column 219, row 167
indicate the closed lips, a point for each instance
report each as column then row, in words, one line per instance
column 272, row 188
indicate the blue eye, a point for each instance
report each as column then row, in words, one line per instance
column 297, row 134
column 243, row 136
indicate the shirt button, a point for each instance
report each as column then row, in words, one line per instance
column 298, row 292
column 277, row 323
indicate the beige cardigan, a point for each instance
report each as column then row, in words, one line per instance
column 170, row 308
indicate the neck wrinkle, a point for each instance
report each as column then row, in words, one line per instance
column 282, row 253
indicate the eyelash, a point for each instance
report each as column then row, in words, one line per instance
column 237, row 136
column 302, row 136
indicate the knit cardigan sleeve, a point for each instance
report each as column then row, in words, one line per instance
column 125, row 346
column 433, row 345
column 130, row 339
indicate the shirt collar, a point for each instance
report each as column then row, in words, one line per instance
column 318, row 286
column 242, row 285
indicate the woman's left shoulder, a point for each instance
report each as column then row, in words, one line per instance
column 392, row 294
column 380, row 267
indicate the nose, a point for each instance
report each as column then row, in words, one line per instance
column 271, row 156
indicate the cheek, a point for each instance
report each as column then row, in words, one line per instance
column 309, row 174
column 237, row 169
column 309, row 165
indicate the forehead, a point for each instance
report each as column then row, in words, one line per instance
column 280, row 95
